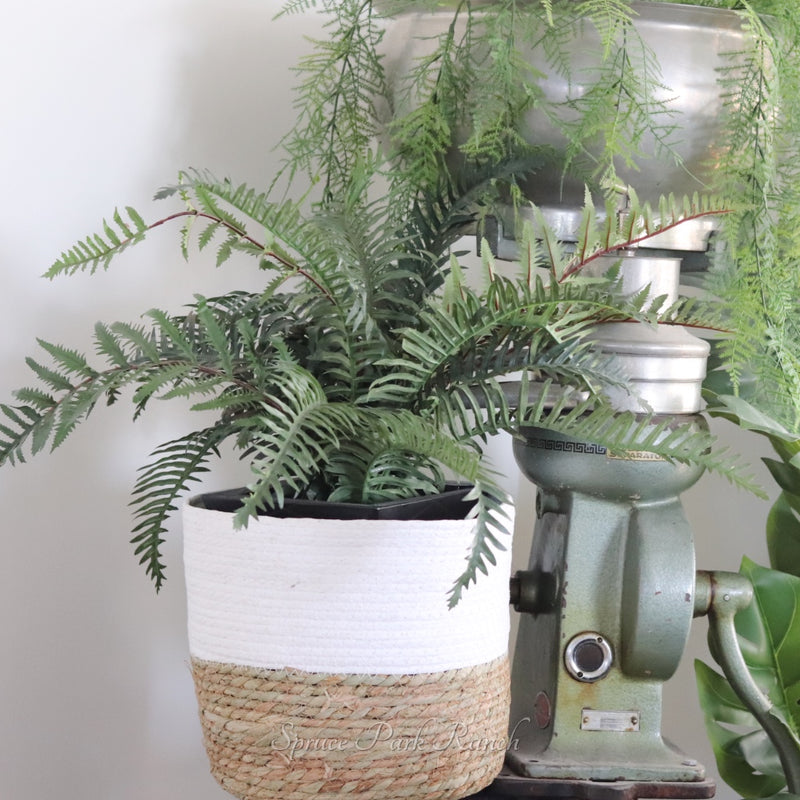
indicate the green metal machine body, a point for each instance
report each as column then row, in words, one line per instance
column 608, row 597
column 606, row 604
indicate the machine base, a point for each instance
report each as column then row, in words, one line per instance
column 508, row 786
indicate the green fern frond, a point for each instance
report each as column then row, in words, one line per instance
column 514, row 82
column 216, row 337
column 71, row 362
column 366, row 280
column 621, row 105
column 211, row 206
column 98, row 250
column 434, row 94
column 473, row 408
column 288, row 242
column 341, row 81
column 451, row 204
column 171, row 337
column 108, row 346
column 183, row 356
column 48, row 419
column 370, row 471
column 404, row 431
column 36, row 398
column 289, row 437
column 398, row 474
column 297, row 7
column 18, row 422
column 609, row 17
column 141, row 339
column 614, row 231
column 512, row 325
column 169, row 375
column 50, row 377
column 175, row 465
column 490, row 522
column 754, row 271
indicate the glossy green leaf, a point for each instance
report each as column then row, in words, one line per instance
column 783, row 534
column 769, row 637
column 783, row 522
column 721, row 706
column 786, row 475
column 745, row 415
column 771, row 628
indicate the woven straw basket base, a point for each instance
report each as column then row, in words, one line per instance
column 286, row 735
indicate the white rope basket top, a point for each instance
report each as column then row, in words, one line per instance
column 362, row 596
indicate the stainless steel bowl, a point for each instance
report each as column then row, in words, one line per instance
column 690, row 43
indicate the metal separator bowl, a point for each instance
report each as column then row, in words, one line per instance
column 690, row 43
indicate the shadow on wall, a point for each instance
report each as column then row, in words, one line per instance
column 235, row 87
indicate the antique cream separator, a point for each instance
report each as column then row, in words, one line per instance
column 608, row 598
column 611, row 589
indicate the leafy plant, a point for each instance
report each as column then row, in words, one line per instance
column 469, row 93
column 769, row 635
column 467, row 97
column 368, row 365
column 748, row 756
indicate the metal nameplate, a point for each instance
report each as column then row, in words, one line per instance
column 635, row 455
column 613, row 721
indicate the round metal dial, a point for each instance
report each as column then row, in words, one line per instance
column 588, row 657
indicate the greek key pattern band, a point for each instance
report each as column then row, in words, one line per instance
column 587, row 448
column 558, row 445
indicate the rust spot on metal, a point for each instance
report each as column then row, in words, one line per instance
column 542, row 710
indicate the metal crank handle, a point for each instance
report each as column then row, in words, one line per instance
column 720, row 596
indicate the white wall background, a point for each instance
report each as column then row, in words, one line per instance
column 102, row 103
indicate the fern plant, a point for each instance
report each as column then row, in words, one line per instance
column 368, row 367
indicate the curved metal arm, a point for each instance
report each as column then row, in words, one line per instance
column 721, row 595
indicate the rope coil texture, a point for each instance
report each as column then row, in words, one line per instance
column 295, row 735
column 341, row 596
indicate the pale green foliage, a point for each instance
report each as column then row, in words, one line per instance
column 757, row 269
column 342, row 79
column 599, row 235
column 97, row 250
column 477, row 78
column 466, row 97
column 615, row 113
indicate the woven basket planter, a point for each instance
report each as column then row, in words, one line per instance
column 326, row 662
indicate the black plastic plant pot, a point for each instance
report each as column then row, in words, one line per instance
column 450, row 504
